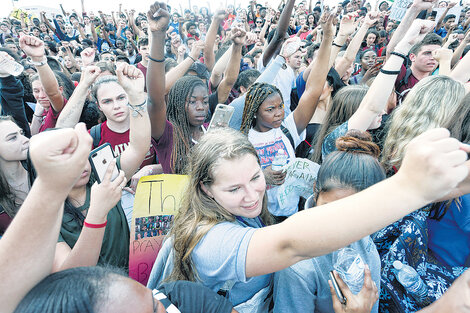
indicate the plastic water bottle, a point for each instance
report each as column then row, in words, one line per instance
column 280, row 160
column 350, row 266
column 410, row 279
column 11, row 67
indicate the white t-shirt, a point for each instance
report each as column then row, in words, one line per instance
column 284, row 80
column 266, row 145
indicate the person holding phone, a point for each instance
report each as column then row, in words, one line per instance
column 94, row 228
column 305, row 286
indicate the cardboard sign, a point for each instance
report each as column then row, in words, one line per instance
column 301, row 174
column 399, row 8
column 157, row 200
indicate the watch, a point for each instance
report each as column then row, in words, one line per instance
column 40, row 63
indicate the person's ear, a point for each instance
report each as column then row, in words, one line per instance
column 206, row 190
column 242, row 89
column 412, row 57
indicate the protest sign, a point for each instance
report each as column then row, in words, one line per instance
column 456, row 10
column 399, row 8
column 157, row 200
column 301, row 174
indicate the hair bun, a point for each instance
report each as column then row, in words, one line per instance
column 355, row 141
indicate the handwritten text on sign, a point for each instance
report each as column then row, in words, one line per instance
column 301, row 174
column 399, row 8
column 157, row 200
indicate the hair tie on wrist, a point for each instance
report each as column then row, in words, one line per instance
column 398, row 54
column 389, row 72
column 337, row 45
column 155, row 60
column 192, row 58
column 89, row 225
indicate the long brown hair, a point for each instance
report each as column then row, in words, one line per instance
column 199, row 212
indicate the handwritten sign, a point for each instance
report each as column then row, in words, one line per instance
column 399, row 8
column 301, row 174
column 157, row 200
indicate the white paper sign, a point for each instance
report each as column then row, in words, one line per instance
column 399, row 8
column 301, row 174
column 456, row 10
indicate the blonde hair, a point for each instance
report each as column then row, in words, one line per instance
column 199, row 212
column 431, row 103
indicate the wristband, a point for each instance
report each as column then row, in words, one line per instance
column 156, row 60
column 337, row 45
column 89, row 225
column 40, row 63
column 192, row 58
column 398, row 54
column 389, row 72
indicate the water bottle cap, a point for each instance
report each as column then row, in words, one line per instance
column 397, row 265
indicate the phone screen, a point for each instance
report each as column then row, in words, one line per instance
column 100, row 158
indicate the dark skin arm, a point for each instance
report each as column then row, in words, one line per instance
column 158, row 19
column 278, row 38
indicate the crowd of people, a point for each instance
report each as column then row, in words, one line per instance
column 382, row 105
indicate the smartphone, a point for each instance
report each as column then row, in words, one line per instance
column 100, row 159
column 222, row 115
column 338, row 292
column 379, row 63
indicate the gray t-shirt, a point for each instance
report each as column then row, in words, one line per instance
column 303, row 287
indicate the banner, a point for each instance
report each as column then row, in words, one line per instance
column 157, row 200
column 399, row 8
column 301, row 174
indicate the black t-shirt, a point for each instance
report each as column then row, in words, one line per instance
column 304, row 148
column 191, row 297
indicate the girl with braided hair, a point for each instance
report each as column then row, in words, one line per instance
column 263, row 120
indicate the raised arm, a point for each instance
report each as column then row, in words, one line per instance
column 238, row 36
column 441, row 19
column 435, row 164
column 375, row 101
column 405, row 24
column 444, row 57
column 459, row 51
column 71, row 113
column 34, row 48
column 345, row 63
column 158, row 19
column 280, row 33
column 346, row 28
column 30, row 253
column 316, row 80
column 461, row 71
column 46, row 21
column 180, row 70
column 209, row 56
column 219, row 68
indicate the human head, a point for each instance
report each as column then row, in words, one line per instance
column 352, row 167
column 249, row 60
column 89, row 289
column 421, row 53
column 111, row 98
column 143, row 46
column 188, row 104
column 430, row 104
column 203, row 205
column 66, row 87
column 107, row 56
column 295, row 60
column 345, row 102
column 120, row 43
column 449, row 20
column 368, row 58
column 372, row 38
column 264, row 108
column 191, row 28
column 245, row 80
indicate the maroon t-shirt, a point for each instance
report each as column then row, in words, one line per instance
column 401, row 87
column 120, row 141
column 51, row 118
column 143, row 69
column 164, row 148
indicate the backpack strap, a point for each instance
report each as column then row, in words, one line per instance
column 95, row 133
column 288, row 135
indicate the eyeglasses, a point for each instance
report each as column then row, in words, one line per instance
column 109, row 59
column 259, row 22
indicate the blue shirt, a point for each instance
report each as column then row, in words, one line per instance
column 449, row 238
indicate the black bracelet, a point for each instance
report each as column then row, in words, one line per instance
column 155, row 60
column 398, row 54
column 192, row 58
column 337, row 45
column 389, row 72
